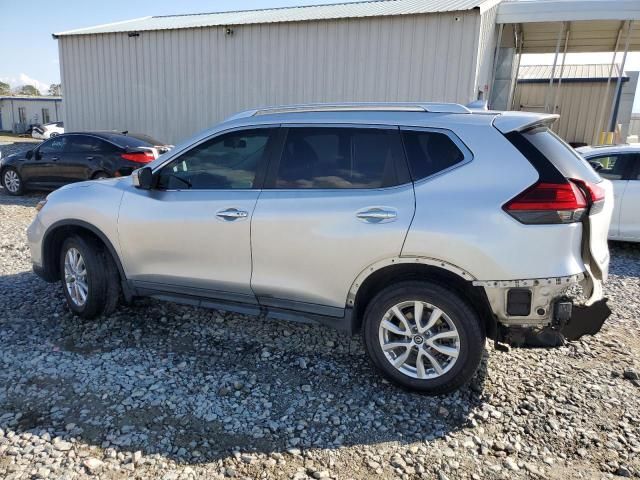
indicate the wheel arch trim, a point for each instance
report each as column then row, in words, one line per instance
column 388, row 262
column 94, row 230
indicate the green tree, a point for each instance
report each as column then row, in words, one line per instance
column 28, row 90
column 5, row 89
column 55, row 89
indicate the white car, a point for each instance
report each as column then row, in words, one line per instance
column 48, row 130
column 621, row 165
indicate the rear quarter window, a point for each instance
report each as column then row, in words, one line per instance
column 430, row 152
column 564, row 158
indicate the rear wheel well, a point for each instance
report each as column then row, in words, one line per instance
column 377, row 281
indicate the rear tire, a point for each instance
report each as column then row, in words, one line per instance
column 12, row 181
column 89, row 277
column 423, row 337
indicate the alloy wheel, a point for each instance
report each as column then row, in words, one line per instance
column 12, row 181
column 75, row 276
column 419, row 339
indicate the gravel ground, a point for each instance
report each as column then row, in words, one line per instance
column 170, row 392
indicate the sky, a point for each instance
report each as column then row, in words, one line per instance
column 33, row 56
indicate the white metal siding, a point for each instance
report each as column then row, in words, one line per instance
column 173, row 83
column 33, row 111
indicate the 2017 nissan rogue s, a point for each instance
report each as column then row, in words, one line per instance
column 427, row 227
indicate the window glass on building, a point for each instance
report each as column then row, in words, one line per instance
column 225, row 162
column 430, row 152
column 45, row 116
column 339, row 158
column 22, row 115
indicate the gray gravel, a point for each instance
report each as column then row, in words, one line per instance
column 170, row 392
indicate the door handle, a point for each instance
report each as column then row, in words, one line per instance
column 231, row 214
column 377, row 215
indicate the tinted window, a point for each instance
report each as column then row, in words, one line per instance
column 55, row 145
column 613, row 166
column 133, row 140
column 225, row 162
column 86, row 144
column 430, row 152
column 558, row 152
column 340, row 158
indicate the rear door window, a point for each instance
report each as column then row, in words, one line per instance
column 557, row 151
column 341, row 158
column 87, row 144
column 431, row 152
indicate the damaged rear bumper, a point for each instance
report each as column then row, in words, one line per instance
column 540, row 313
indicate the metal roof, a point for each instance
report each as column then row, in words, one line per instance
column 529, row 11
column 372, row 8
column 575, row 73
column 30, row 97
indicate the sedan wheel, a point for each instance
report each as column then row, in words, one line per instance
column 419, row 339
column 12, row 181
column 75, row 275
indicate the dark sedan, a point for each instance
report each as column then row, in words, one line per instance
column 74, row 157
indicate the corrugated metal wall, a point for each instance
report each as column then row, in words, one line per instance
column 173, row 83
column 9, row 116
column 579, row 107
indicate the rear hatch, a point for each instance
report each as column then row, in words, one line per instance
column 573, row 167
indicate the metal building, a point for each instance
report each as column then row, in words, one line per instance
column 18, row 112
column 172, row 76
column 578, row 97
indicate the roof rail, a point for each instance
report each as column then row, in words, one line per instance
column 359, row 107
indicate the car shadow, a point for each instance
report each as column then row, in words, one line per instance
column 193, row 385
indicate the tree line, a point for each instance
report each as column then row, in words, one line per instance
column 30, row 90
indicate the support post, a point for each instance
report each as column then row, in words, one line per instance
column 495, row 65
column 616, row 94
column 519, row 42
column 603, row 103
column 558, row 95
column 547, row 99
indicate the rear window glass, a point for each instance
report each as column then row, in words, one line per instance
column 134, row 140
column 430, row 152
column 557, row 151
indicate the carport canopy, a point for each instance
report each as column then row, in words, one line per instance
column 571, row 26
column 593, row 25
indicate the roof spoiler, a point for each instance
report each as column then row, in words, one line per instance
column 478, row 105
column 508, row 122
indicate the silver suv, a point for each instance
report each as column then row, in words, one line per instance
column 428, row 227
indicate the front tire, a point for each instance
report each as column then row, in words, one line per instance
column 89, row 277
column 12, row 181
column 423, row 337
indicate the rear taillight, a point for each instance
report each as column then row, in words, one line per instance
column 138, row 157
column 548, row 203
column 595, row 195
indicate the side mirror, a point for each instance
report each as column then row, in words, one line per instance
column 29, row 154
column 142, row 178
